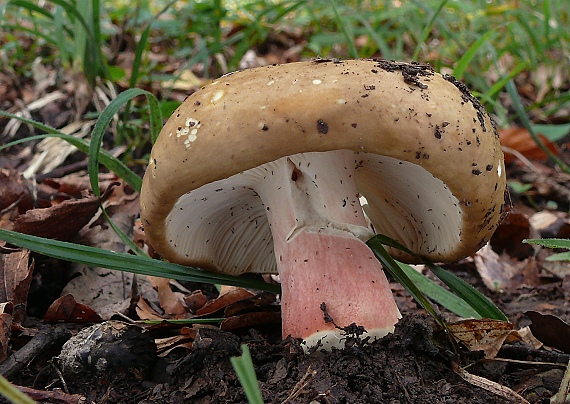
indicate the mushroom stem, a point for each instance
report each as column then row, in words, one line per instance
column 318, row 229
column 342, row 272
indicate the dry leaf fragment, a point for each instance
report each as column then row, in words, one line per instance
column 13, row 190
column 489, row 385
column 183, row 340
column 550, row 330
column 481, row 335
column 231, row 295
column 15, row 279
column 171, row 302
column 146, row 312
column 66, row 309
column 6, row 310
column 496, row 272
column 59, row 222
column 195, row 301
column 250, row 320
column 520, row 140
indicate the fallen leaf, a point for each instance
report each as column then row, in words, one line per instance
column 65, row 309
column 510, row 234
column 104, row 290
column 251, row 320
column 183, row 340
column 59, row 222
column 171, row 302
column 550, row 330
column 6, row 310
column 495, row 272
column 13, row 190
column 519, row 139
column 195, row 300
column 481, row 335
column 231, row 295
column 15, row 279
column 146, row 312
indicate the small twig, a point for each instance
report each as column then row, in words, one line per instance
column 521, row 157
column 563, row 394
column 489, row 385
column 47, row 337
column 301, row 384
column 52, row 396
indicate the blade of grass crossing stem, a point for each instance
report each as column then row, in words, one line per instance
column 246, row 375
column 98, row 257
column 124, row 238
column 105, row 119
column 394, row 269
column 521, row 113
column 480, row 303
column 105, row 158
column 12, row 394
column 438, row 294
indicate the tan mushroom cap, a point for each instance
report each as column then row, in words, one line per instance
column 406, row 112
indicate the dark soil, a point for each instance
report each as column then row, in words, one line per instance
column 413, row 365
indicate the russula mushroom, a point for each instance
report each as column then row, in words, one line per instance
column 290, row 168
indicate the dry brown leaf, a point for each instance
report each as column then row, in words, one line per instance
column 146, row 312
column 195, row 300
column 15, row 279
column 171, row 302
column 6, row 311
column 525, row 335
column 495, row 272
column 228, row 296
column 249, row 320
column 13, row 190
column 481, row 335
column 519, row 139
column 183, row 340
column 60, row 222
column 107, row 291
column 550, row 330
column 66, row 309
column 510, row 234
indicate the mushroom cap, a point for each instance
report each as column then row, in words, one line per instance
column 406, row 113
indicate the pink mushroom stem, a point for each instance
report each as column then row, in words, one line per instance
column 341, row 272
column 318, row 228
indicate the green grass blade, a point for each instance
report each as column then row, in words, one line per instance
column 480, row 303
column 124, row 238
column 31, row 7
column 467, row 57
column 550, row 242
column 346, row 30
column 246, row 375
column 438, row 294
column 98, row 257
column 104, row 121
column 521, row 113
column 107, row 159
column 427, row 29
column 565, row 256
column 12, row 394
column 394, row 269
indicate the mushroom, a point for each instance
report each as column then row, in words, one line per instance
column 290, row 168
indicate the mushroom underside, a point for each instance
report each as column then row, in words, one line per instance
column 225, row 225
